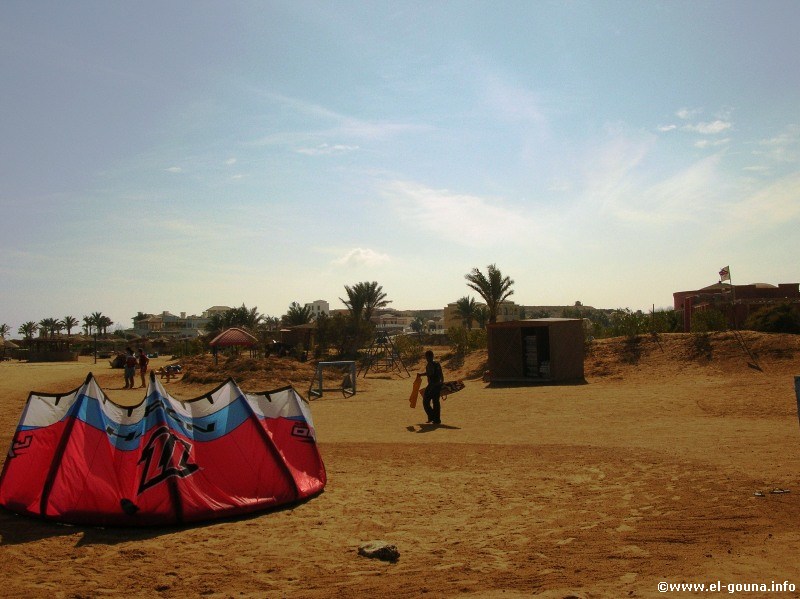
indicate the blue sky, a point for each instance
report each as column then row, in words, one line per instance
column 178, row 155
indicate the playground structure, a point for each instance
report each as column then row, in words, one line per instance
column 382, row 355
column 345, row 371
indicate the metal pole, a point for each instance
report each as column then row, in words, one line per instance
column 797, row 393
column 733, row 299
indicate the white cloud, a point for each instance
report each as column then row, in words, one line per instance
column 687, row 113
column 361, row 257
column 708, row 143
column 513, row 102
column 711, row 128
column 336, row 124
column 620, row 185
column 783, row 147
column 773, row 206
column 665, row 128
column 230, row 161
column 467, row 220
column 174, row 169
column 327, row 149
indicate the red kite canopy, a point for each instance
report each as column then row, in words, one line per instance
column 233, row 336
column 78, row 457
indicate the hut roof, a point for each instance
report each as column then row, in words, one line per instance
column 233, row 336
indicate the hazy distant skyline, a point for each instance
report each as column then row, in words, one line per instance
column 176, row 156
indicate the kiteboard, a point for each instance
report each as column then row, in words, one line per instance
column 412, row 401
column 448, row 388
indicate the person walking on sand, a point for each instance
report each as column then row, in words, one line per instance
column 143, row 362
column 430, row 400
column 130, row 368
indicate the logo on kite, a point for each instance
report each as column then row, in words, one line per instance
column 303, row 432
column 165, row 456
column 17, row 445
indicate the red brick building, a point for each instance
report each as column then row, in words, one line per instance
column 737, row 302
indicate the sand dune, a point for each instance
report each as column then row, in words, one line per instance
column 646, row 473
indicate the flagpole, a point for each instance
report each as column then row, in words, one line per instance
column 733, row 299
column 724, row 274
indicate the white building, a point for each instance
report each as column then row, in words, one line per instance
column 319, row 307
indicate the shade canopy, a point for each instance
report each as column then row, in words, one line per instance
column 233, row 336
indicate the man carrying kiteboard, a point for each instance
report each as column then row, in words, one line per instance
column 430, row 400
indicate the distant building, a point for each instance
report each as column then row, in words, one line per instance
column 167, row 324
column 319, row 307
column 736, row 302
column 506, row 312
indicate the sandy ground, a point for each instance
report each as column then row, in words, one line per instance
column 646, row 473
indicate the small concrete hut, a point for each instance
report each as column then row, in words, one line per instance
column 541, row 350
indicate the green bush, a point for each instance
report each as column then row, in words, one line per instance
column 463, row 341
column 780, row 318
column 408, row 347
column 704, row 321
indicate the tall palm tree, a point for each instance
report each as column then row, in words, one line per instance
column 375, row 298
column 466, row 310
column 493, row 287
column 4, row 330
column 88, row 323
column 418, row 325
column 298, row 314
column 28, row 330
column 47, row 327
column 362, row 300
column 70, row 322
column 97, row 322
column 215, row 325
column 481, row 316
column 104, row 322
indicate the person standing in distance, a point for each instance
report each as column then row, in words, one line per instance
column 430, row 400
column 143, row 362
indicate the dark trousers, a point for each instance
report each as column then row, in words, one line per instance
column 430, row 403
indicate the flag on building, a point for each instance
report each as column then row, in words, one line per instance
column 725, row 274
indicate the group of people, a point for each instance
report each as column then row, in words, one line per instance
column 132, row 361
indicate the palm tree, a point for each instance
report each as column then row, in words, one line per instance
column 97, row 322
column 494, row 288
column 88, row 323
column 215, row 325
column 104, row 322
column 418, row 325
column 374, row 298
column 362, row 300
column 70, row 322
column 481, row 316
column 297, row 314
column 4, row 330
column 28, row 330
column 466, row 310
column 47, row 327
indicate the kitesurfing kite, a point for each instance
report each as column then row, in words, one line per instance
column 79, row 458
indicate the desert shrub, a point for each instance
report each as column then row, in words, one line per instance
column 462, row 340
column 626, row 322
column 188, row 347
column 705, row 321
column 780, row 318
column 666, row 321
column 408, row 347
